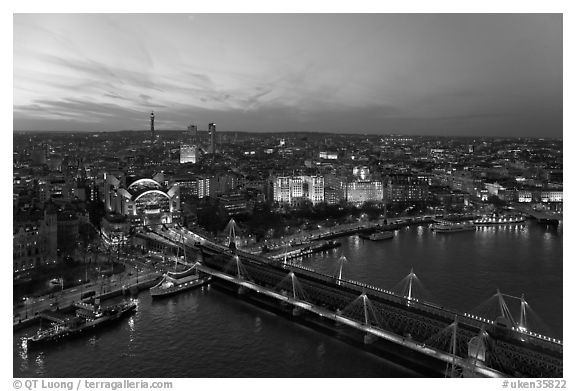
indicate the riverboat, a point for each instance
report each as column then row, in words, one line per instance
column 451, row 227
column 88, row 317
column 378, row 235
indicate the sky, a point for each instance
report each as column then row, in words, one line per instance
column 421, row 74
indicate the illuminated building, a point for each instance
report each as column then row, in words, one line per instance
column 212, row 130
column 188, row 153
column 361, row 191
column 328, row 155
column 146, row 201
column 194, row 187
column 525, row 195
column 361, row 172
column 294, row 190
column 115, row 228
column 551, row 196
column 332, row 196
column 406, row 188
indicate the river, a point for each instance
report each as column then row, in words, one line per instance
column 208, row 333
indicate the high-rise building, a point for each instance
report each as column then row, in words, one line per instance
column 192, row 187
column 193, row 132
column 212, row 130
column 152, row 132
column 189, row 151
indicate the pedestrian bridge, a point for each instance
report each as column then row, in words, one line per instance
column 466, row 343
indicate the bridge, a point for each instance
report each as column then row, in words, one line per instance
column 465, row 344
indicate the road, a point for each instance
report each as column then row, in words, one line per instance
column 69, row 296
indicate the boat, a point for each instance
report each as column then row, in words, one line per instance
column 449, row 227
column 330, row 244
column 174, row 282
column 498, row 220
column 88, row 317
column 378, row 235
column 56, row 281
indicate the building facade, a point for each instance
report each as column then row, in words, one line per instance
column 188, row 153
column 297, row 189
column 35, row 242
column 146, row 201
column 361, row 191
column 403, row 188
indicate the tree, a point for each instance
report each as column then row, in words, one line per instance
column 96, row 210
column 494, row 200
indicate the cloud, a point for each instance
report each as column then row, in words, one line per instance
column 333, row 72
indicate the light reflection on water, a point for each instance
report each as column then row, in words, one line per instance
column 463, row 269
column 40, row 363
column 257, row 325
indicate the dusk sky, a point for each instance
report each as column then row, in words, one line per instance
column 434, row 74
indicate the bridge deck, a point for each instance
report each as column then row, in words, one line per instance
column 323, row 312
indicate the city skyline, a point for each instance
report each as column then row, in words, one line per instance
column 416, row 74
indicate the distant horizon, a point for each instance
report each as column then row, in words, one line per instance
column 159, row 131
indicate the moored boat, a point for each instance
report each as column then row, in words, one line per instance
column 499, row 220
column 88, row 317
column 176, row 282
column 449, row 227
column 378, row 235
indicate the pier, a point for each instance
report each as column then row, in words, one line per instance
column 45, row 306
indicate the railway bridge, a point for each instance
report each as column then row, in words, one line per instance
column 461, row 343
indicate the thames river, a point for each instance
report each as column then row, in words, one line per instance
column 208, row 333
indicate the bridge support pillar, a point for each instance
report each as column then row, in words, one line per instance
column 242, row 290
column 296, row 311
column 336, row 322
column 369, row 339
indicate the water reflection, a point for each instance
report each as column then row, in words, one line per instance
column 131, row 327
column 40, row 364
column 355, row 242
column 23, row 349
column 257, row 325
column 93, row 340
column 320, row 351
column 458, row 267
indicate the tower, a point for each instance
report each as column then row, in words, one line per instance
column 192, row 134
column 212, row 130
column 153, row 134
